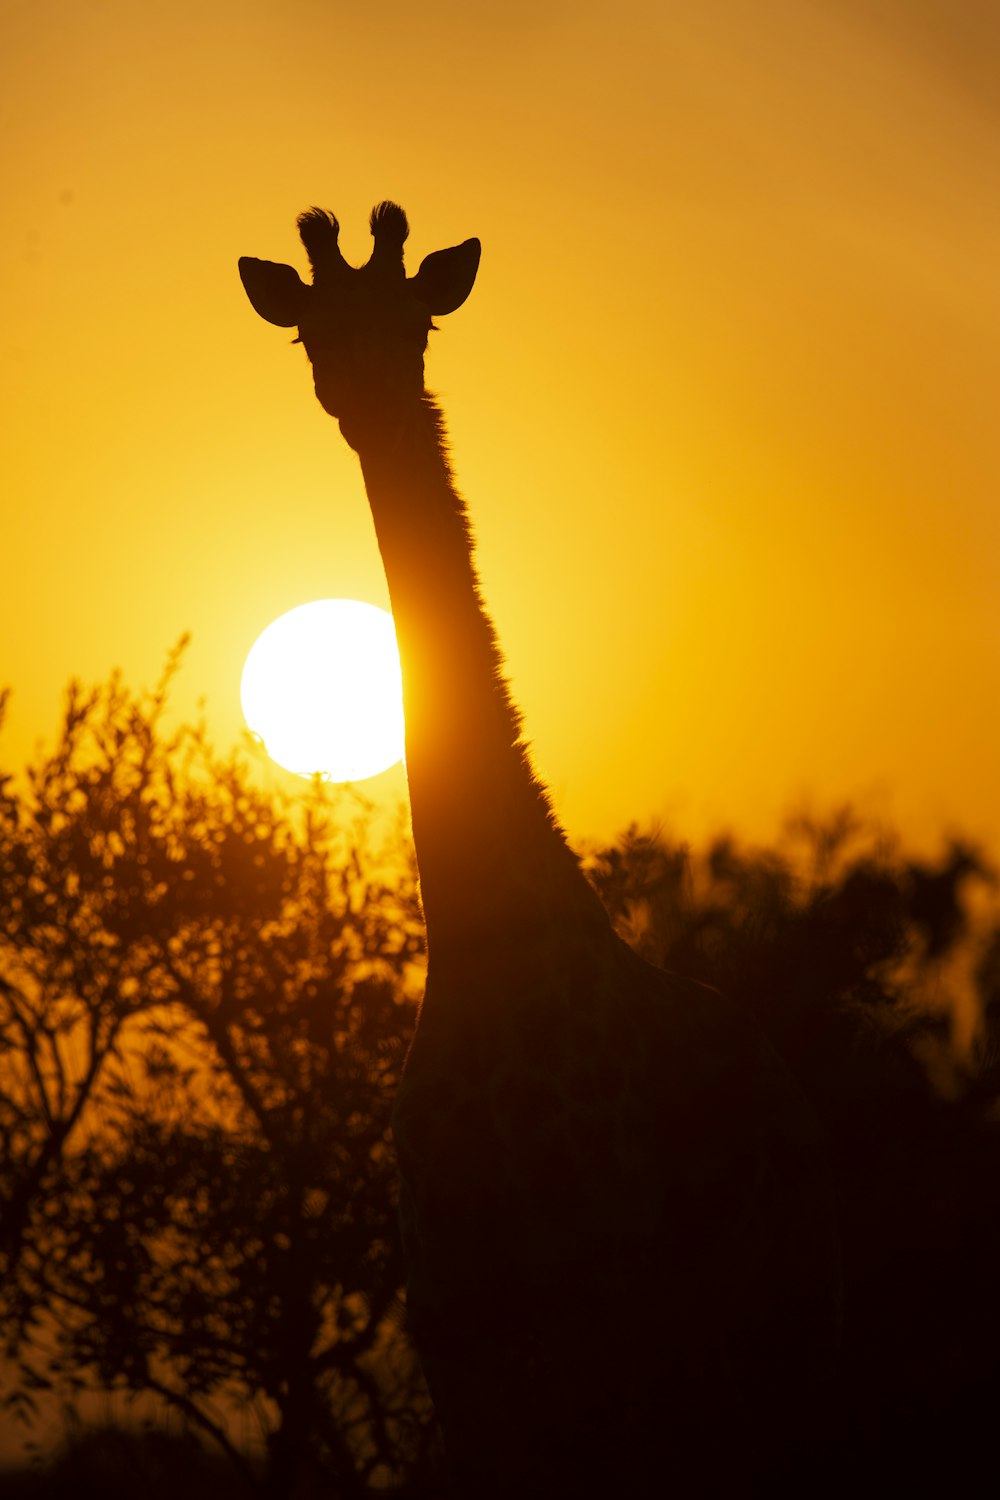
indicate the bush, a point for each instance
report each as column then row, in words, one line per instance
column 877, row 977
column 205, row 998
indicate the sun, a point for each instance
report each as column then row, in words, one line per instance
column 321, row 687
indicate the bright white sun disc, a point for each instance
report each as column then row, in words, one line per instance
column 321, row 687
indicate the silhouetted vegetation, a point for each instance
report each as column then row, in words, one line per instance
column 205, row 997
column 116, row 1463
column 881, row 988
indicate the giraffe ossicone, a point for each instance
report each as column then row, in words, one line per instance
column 622, row 1262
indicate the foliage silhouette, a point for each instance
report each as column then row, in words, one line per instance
column 852, row 957
column 117, row 1464
column 205, row 994
column 205, row 1001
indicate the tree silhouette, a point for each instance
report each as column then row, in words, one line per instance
column 846, row 951
column 205, row 996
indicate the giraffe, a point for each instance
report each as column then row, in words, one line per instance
column 622, row 1264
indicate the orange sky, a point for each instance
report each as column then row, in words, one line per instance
column 722, row 401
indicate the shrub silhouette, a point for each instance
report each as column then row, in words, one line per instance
column 118, row 1464
column 848, row 953
column 205, row 996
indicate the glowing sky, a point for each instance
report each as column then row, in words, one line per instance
column 722, row 401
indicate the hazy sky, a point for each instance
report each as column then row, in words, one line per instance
column 722, row 402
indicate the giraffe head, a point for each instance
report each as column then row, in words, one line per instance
column 364, row 329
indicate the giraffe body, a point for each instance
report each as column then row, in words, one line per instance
column 622, row 1259
column 613, row 1231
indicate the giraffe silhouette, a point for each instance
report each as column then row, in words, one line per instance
column 622, row 1261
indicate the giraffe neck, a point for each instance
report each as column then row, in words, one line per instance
column 486, row 839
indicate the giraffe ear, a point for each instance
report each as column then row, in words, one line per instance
column 277, row 292
column 445, row 278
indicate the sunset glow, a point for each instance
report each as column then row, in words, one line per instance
column 722, row 404
column 690, row 527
